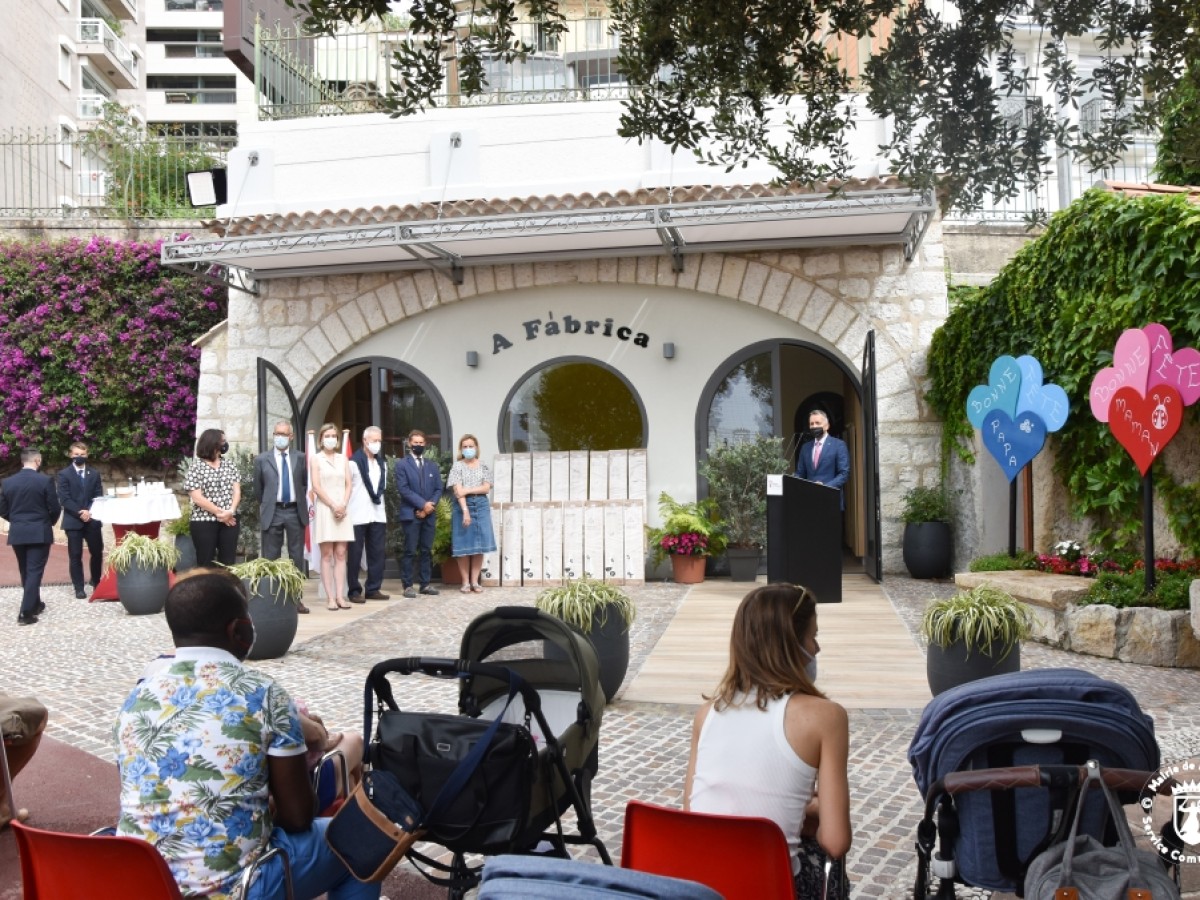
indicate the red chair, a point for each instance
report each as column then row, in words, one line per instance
column 739, row 857
column 58, row 866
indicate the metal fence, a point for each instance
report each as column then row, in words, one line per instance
column 48, row 175
column 301, row 75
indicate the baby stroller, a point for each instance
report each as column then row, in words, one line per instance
column 541, row 762
column 1037, row 728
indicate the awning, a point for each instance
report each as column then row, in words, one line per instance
column 783, row 221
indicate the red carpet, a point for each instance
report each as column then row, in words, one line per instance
column 66, row 789
column 56, row 569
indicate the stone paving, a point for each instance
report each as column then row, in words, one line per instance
column 82, row 658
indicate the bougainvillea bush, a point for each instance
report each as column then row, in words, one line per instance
column 95, row 345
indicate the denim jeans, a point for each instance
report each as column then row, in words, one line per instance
column 315, row 870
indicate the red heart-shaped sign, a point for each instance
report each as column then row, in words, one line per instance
column 1145, row 425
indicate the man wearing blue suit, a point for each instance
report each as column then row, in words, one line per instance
column 420, row 486
column 825, row 459
column 28, row 501
column 78, row 486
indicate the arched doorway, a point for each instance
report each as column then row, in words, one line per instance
column 768, row 389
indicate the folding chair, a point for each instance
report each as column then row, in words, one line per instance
column 58, row 866
column 740, row 857
column 331, row 784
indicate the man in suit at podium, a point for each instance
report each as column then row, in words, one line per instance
column 825, row 459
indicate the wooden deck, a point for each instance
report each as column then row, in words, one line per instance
column 867, row 660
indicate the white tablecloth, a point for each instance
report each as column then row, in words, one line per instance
column 136, row 510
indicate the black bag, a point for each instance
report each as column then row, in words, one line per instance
column 1081, row 868
column 422, row 750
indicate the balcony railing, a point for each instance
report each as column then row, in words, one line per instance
column 90, row 107
column 96, row 32
column 302, row 75
column 43, row 176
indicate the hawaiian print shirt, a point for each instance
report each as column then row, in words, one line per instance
column 192, row 743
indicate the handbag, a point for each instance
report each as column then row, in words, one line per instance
column 380, row 822
column 1081, row 868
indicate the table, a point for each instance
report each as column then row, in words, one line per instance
column 141, row 513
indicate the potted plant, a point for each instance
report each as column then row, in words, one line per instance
column 442, row 545
column 737, row 483
column 689, row 534
column 602, row 612
column 247, row 511
column 973, row 634
column 142, row 565
column 178, row 529
column 275, row 587
column 928, row 543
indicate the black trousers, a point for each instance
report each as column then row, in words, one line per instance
column 31, row 563
column 214, row 540
column 92, row 535
column 369, row 539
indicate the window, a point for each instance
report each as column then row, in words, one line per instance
column 194, row 88
column 187, row 43
column 66, row 143
column 743, row 406
column 573, row 405
column 65, row 63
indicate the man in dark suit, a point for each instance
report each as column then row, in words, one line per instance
column 31, row 506
column 78, row 486
column 824, row 459
column 281, row 507
column 420, row 486
column 368, row 512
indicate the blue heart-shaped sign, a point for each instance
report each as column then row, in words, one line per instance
column 1047, row 400
column 1001, row 391
column 1013, row 443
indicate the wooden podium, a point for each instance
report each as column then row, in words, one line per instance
column 804, row 535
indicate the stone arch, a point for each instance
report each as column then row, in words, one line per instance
column 796, row 286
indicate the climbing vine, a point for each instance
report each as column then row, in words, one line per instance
column 1106, row 263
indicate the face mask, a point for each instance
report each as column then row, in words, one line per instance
column 329, row 443
column 374, row 447
column 468, row 452
column 816, row 432
column 418, row 451
column 80, row 461
column 810, row 667
column 282, row 441
column 224, row 447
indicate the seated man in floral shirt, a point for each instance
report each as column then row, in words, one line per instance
column 211, row 759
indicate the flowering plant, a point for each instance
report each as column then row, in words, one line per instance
column 1068, row 550
column 96, row 345
column 690, row 543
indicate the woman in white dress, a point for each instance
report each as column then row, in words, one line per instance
column 330, row 481
column 768, row 743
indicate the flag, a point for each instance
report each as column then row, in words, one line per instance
column 312, row 551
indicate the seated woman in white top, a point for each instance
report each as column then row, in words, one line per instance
column 768, row 743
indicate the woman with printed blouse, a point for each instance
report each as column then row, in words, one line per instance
column 212, row 483
column 471, row 516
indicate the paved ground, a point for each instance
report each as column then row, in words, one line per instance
column 82, row 658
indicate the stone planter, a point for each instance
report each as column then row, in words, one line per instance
column 187, row 553
column 275, row 622
column 143, row 591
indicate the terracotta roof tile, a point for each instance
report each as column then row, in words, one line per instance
column 381, row 215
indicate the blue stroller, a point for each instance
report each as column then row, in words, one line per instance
column 1033, row 732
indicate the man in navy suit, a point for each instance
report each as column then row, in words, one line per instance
column 824, row 459
column 420, row 486
column 31, row 506
column 78, row 486
column 281, row 507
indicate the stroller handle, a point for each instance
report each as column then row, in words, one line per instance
column 1034, row 776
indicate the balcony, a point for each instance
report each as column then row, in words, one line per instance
column 90, row 107
column 123, row 9
column 107, row 52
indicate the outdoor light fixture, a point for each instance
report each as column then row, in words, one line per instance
column 472, row 358
column 207, row 188
column 668, row 350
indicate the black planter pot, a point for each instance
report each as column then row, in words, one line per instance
column 928, row 549
column 275, row 622
column 143, row 591
column 743, row 563
column 187, row 553
column 611, row 641
column 954, row 665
